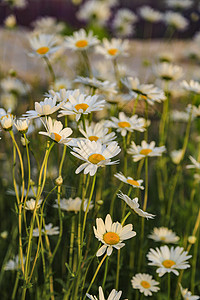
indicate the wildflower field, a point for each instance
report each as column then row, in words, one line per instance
column 100, row 153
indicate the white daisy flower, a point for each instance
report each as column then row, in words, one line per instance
column 145, row 284
column 16, row 3
column 168, row 260
column 125, row 124
column 43, row 108
column 148, row 92
column 187, row 295
column 47, row 25
column 104, row 86
column 180, row 4
column 114, row 48
column 176, row 20
column 195, row 163
column 56, row 132
column 62, row 95
column 81, row 40
column 191, row 86
column 149, row 14
column 30, row 204
column 95, row 155
column 164, row 235
column 14, row 86
column 94, row 11
column 81, row 104
column 179, row 116
column 7, row 121
column 22, row 125
column 49, row 230
column 97, row 132
column 73, row 204
column 145, row 150
column 176, row 156
column 13, row 264
column 114, row 295
column 60, row 83
column 111, row 235
column 134, row 205
column 167, row 71
column 43, row 45
column 134, row 183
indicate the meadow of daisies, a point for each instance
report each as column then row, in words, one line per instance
column 100, row 165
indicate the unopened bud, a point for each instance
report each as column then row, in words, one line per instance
column 100, row 202
column 192, row 239
column 59, row 180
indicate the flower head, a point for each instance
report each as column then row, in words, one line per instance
column 81, row 40
column 134, row 205
column 43, row 45
column 95, row 155
column 13, row 264
column 114, row 295
column 73, row 204
column 168, row 71
column 145, row 150
column 7, row 122
column 145, row 284
column 114, row 48
column 48, row 229
column 22, row 125
column 133, row 182
column 112, row 235
column 94, row 11
column 168, row 260
column 187, row 295
column 149, row 14
column 191, row 86
column 176, row 20
column 30, row 204
column 195, row 163
column 164, row 235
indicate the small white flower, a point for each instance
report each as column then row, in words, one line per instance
column 192, row 86
column 49, row 230
column 47, row 25
column 43, row 45
column 81, row 40
column 180, row 4
column 145, row 150
column 114, row 295
column 73, row 204
column 81, row 104
column 195, row 165
column 10, row 22
column 176, row 20
column 134, row 183
column 164, row 235
column 30, row 204
column 133, row 203
column 168, row 260
column 145, row 284
column 104, row 86
column 7, row 122
column 176, row 156
column 112, row 235
column 95, row 155
column 149, row 14
column 125, row 124
column 22, row 125
column 187, row 295
column 114, row 48
column 56, row 132
column 13, row 264
column 14, row 86
column 168, row 71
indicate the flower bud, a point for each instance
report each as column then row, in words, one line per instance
column 59, row 180
column 192, row 239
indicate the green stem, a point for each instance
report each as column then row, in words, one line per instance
column 51, row 71
column 194, row 264
column 169, row 287
column 105, row 273
column 118, row 269
column 135, row 105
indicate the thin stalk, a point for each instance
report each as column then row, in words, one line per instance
column 105, row 273
column 51, row 71
column 135, row 105
column 146, row 120
column 169, row 287
column 117, row 271
column 194, row 265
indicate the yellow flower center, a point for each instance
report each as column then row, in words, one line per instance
column 113, row 51
column 82, row 106
column 145, row 284
column 145, row 151
column 42, row 50
column 124, row 124
column 6, row 116
column 168, row 263
column 93, row 138
column 81, row 43
column 57, row 137
column 111, row 238
column 96, row 158
column 133, row 182
column 163, row 238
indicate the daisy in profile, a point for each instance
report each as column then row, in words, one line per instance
column 176, row 20
column 104, row 86
column 22, row 125
column 134, row 205
column 114, row 295
column 81, row 105
column 56, row 132
column 30, row 204
column 13, row 264
column 43, row 108
column 124, row 124
column 149, row 14
column 195, row 163
column 112, row 235
column 167, row 71
column 97, row 132
column 145, row 150
column 73, row 204
column 145, row 283
column 43, row 45
column 147, row 92
column 7, row 121
column 49, row 230
column 187, row 295
column 164, row 235
column 95, row 155
column 191, row 86
column 168, row 260
column 179, row 4
column 62, row 95
column 114, row 48
column 134, row 183
column 81, row 40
